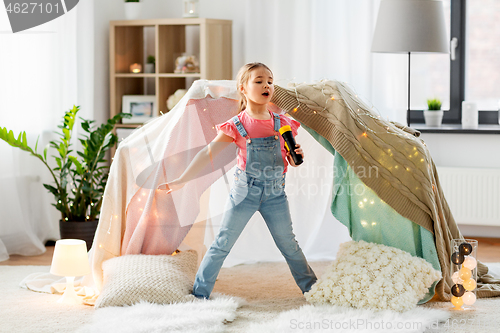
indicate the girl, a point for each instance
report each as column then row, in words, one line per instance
column 259, row 181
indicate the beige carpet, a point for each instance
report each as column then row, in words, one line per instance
column 268, row 288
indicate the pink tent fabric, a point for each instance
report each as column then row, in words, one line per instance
column 156, row 222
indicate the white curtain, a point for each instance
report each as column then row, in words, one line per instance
column 309, row 40
column 39, row 82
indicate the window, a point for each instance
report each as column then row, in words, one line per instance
column 474, row 75
column 430, row 73
column 482, row 54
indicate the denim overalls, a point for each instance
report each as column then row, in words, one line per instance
column 261, row 187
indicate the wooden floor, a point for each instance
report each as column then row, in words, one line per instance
column 488, row 251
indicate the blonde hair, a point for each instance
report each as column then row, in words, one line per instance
column 242, row 78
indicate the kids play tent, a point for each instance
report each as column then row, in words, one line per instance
column 382, row 182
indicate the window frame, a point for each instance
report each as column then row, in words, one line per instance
column 457, row 73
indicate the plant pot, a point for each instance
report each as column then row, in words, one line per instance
column 149, row 68
column 433, row 118
column 79, row 230
column 133, row 10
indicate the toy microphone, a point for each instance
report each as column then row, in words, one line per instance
column 286, row 133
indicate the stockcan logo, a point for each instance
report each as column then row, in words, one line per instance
column 26, row 14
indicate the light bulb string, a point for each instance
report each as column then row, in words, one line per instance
column 398, row 156
column 385, row 173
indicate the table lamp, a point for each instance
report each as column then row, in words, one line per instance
column 70, row 260
column 406, row 26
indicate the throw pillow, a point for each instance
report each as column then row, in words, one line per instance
column 374, row 276
column 160, row 279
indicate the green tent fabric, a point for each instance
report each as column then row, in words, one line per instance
column 370, row 219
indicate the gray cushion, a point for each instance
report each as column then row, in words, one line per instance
column 160, row 279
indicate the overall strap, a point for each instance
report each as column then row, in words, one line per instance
column 277, row 124
column 239, row 126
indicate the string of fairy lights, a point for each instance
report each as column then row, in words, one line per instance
column 362, row 110
column 464, row 277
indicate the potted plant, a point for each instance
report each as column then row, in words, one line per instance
column 150, row 64
column 433, row 115
column 132, row 9
column 79, row 183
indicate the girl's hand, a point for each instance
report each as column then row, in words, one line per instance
column 172, row 186
column 298, row 150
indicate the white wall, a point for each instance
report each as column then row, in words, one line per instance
column 469, row 151
column 464, row 150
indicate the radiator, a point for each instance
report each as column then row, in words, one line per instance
column 473, row 194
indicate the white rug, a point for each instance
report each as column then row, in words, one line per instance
column 200, row 316
column 272, row 301
column 330, row 318
column 22, row 310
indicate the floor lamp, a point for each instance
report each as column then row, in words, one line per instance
column 410, row 26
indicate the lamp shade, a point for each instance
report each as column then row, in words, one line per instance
column 410, row 26
column 70, row 258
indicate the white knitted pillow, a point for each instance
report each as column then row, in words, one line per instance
column 159, row 279
column 374, row 276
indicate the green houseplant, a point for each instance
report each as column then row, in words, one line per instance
column 433, row 115
column 78, row 183
column 434, row 104
column 150, row 64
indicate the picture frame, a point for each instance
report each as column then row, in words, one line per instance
column 142, row 108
